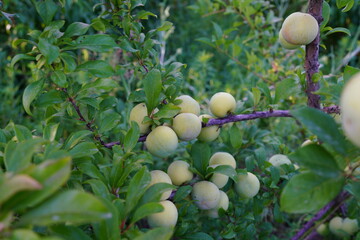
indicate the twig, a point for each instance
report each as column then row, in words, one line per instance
column 312, row 57
column 321, row 213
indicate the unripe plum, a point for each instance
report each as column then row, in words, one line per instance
column 247, row 186
column 189, row 105
column 222, row 103
column 350, row 226
column 300, row 28
column 285, row 44
column 162, row 141
column 222, row 158
column 223, row 203
column 179, row 172
column 220, row 180
column 350, row 109
column 208, row 134
column 205, row 194
column 279, row 159
column 336, row 227
column 322, row 229
column 158, row 176
column 137, row 114
column 187, row 126
column 167, row 218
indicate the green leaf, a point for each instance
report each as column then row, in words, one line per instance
column 50, row 131
column 308, row 192
column 200, row 153
column 69, row 232
column 167, row 111
column 325, row 14
column 322, row 125
column 284, row 89
column 47, row 10
column 19, row 57
column 154, row 192
column 224, row 169
column 165, row 26
column 99, row 189
column 146, row 210
column 109, row 120
column 30, row 93
column 75, row 138
column 152, row 86
column 84, row 149
column 162, row 233
column 18, row 156
column 49, row 51
column 76, row 29
column 22, row 133
column 59, row 78
column 71, row 206
column 51, row 175
column 339, row 29
column 235, row 137
column 131, row 137
column 96, row 43
column 98, row 68
column 198, row 236
column 182, row 193
column 349, row 71
column 317, row 159
column 137, row 187
column 14, row 184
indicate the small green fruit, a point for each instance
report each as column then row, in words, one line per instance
column 322, row 229
column 223, row 203
column 336, row 227
column 350, row 226
column 279, row 159
column 350, row 109
column 205, row 194
column 300, row 28
column 158, row 176
column 247, row 186
column 222, row 158
column 187, row 126
column 222, row 103
column 162, row 141
column 137, row 114
column 208, row 134
column 189, row 105
column 179, row 172
column 167, row 218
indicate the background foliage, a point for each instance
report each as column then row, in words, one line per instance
column 58, row 58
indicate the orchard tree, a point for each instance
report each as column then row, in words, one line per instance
column 246, row 139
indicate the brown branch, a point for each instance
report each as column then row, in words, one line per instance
column 312, row 57
column 89, row 125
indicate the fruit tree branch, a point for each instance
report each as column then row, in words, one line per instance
column 335, row 203
column 312, row 57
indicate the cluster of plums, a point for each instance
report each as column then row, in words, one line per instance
column 340, row 227
column 186, row 126
column 206, row 195
column 298, row 29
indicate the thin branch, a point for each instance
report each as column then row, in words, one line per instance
column 312, row 57
column 321, row 213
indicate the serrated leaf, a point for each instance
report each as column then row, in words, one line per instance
column 322, row 125
column 50, row 52
column 152, row 86
column 30, row 93
column 18, row 156
column 59, row 78
column 317, row 159
column 308, row 192
column 71, row 206
column 163, row 233
column 146, row 210
column 98, row 68
column 76, row 29
column 131, row 137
